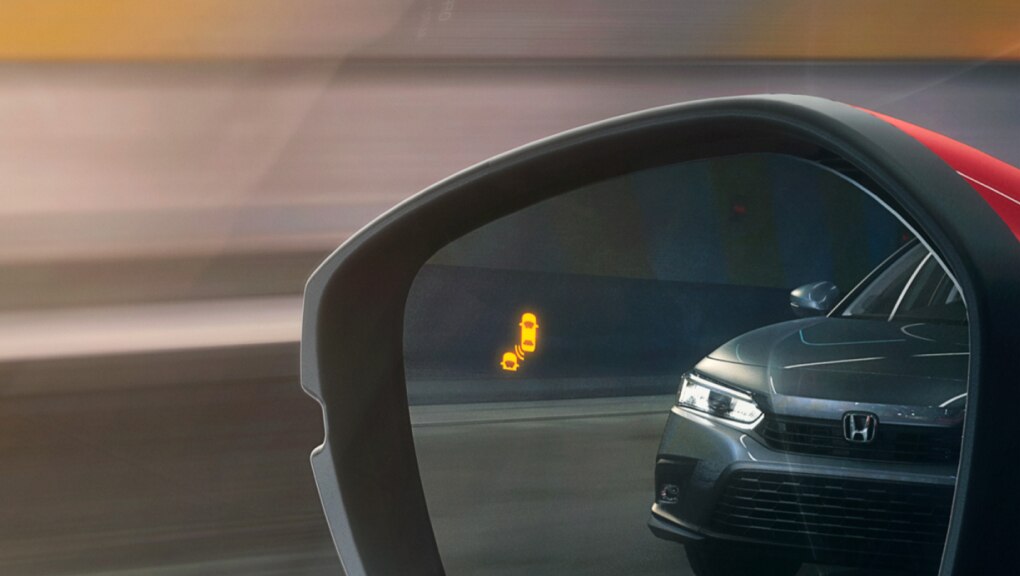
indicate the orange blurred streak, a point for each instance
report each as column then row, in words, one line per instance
column 879, row 29
column 775, row 29
column 185, row 29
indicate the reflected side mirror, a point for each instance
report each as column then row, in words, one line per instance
column 814, row 299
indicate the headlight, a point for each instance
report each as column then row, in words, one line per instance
column 702, row 395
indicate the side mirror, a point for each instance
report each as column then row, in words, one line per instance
column 814, row 299
column 609, row 300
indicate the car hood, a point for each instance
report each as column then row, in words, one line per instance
column 857, row 360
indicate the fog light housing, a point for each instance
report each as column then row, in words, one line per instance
column 669, row 494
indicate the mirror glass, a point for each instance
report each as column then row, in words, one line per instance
column 612, row 381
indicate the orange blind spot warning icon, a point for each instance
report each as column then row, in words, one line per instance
column 529, row 343
column 509, row 362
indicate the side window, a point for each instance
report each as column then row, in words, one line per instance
column 931, row 296
column 879, row 297
column 913, row 287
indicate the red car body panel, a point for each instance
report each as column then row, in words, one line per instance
column 996, row 181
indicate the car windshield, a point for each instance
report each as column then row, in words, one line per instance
column 914, row 287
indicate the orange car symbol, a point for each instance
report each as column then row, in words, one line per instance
column 529, row 332
column 509, row 362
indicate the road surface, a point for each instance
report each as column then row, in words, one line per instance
column 182, row 480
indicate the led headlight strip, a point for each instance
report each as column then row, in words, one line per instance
column 717, row 400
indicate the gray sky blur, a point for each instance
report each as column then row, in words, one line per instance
column 172, row 139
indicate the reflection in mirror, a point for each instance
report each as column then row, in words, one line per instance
column 612, row 381
column 814, row 298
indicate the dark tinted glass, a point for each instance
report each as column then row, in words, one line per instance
column 878, row 296
column 932, row 296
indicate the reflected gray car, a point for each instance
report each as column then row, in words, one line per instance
column 831, row 439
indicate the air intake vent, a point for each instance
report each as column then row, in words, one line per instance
column 837, row 516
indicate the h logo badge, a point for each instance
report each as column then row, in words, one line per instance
column 859, row 427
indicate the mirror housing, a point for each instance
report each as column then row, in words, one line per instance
column 814, row 299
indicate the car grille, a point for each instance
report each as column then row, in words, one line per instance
column 893, row 442
column 880, row 520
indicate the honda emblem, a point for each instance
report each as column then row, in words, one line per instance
column 859, row 427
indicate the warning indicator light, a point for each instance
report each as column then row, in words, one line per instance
column 529, row 332
column 511, row 361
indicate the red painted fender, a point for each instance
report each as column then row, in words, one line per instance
column 996, row 181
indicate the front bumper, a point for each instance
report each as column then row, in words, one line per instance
column 724, row 485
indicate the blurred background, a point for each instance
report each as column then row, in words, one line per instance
column 171, row 172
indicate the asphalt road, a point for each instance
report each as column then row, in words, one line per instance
column 179, row 479
column 186, row 480
column 559, row 487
